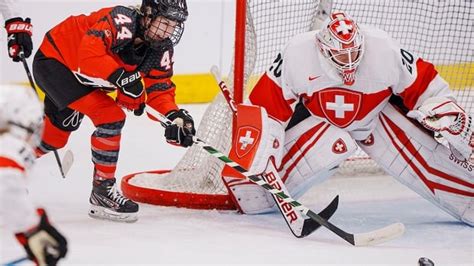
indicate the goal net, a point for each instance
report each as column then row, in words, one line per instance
column 439, row 31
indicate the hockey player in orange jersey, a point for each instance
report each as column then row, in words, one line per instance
column 123, row 49
column 342, row 86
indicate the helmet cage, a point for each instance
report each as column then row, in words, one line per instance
column 342, row 45
column 160, row 27
column 154, row 11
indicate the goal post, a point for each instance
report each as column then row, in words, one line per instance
column 439, row 31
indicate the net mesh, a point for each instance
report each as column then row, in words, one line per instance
column 270, row 24
column 439, row 31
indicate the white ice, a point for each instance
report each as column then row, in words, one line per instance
column 180, row 236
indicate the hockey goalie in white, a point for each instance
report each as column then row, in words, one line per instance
column 21, row 116
column 342, row 86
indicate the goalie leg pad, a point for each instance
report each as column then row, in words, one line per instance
column 411, row 155
column 312, row 151
column 257, row 138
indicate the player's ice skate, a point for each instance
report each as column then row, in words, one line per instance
column 108, row 203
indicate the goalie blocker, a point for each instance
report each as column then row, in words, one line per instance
column 310, row 150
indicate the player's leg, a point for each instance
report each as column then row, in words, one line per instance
column 106, row 200
column 61, row 88
column 66, row 102
column 410, row 154
column 312, row 151
column 58, row 125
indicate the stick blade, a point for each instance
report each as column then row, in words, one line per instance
column 310, row 225
column 68, row 160
column 380, row 235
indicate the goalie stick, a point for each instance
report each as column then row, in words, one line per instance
column 68, row 158
column 359, row 239
column 299, row 224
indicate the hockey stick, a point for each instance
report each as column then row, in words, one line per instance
column 15, row 262
column 68, row 158
column 299, row 224
column 360, row 239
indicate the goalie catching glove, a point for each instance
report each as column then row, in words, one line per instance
column 181, row 131
column 43, row 243
column 442, row 115
column 131, row 92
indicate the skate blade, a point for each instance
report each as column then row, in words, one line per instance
column 107, row 214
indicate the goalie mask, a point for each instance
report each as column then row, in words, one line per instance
column 21, row 114
column 163, row 21
column 342, row 44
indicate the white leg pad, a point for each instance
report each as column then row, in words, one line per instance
column 313, row 149
column 412, row 156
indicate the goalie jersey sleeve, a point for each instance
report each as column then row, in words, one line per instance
column 17, row 211
column 301, row 73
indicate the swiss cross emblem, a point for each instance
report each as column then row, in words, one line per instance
column 340, row 106
column 369, row 141
column 339, row 146
column 343, row 29
column 246, row 140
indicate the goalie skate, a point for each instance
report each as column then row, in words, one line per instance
column 109, row 204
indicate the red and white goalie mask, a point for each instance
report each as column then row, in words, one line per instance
column 342, row 43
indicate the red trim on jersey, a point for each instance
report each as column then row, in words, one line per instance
column 426, row 73
column 303, row 153
column 403, row 138
column 9, row 163
column 268, row 94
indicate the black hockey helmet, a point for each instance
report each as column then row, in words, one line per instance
column 175, row 11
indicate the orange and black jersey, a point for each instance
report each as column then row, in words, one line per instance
column 94, row 46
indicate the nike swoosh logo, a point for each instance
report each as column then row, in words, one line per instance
column 313, row 78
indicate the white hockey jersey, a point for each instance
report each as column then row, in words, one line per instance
column 16, row 158
column 302, row 73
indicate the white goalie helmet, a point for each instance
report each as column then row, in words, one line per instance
column 21, row 114
column 342, row 44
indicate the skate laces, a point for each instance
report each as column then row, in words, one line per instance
column 116, row 195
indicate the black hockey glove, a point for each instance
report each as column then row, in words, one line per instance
column 131, row 92
column 181, row 131
column 19, row 37
column 43, row 243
